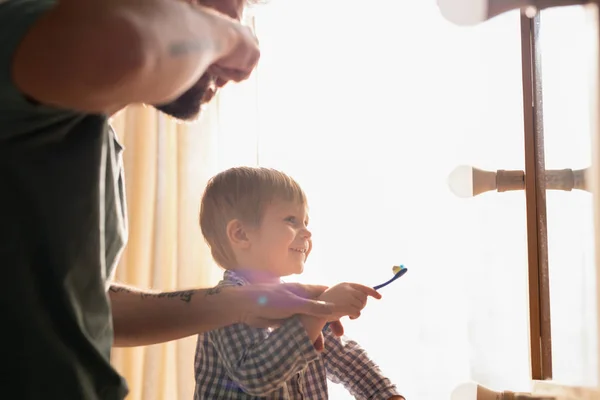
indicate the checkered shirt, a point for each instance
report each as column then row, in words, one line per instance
column 244, row 363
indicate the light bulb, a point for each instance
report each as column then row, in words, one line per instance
column 464, row 12
column 465, row 391
column 531, row 11
column 460, row 181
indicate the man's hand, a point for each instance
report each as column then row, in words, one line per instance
column 241, row 53
column 352, row 296
column 219, row 75
column 232, row 8
column 268, row 305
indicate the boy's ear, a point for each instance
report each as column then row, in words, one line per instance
column 237, row 234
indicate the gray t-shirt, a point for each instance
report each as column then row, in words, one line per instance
column 63, row 225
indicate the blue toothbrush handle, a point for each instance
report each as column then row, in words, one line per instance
column 396, row 276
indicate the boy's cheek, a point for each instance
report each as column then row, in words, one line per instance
column 309, row 249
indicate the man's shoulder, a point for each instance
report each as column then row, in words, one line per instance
column 19, row 114
column 17, row 17
column 22, row 9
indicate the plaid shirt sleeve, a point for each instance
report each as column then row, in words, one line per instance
column 261, row 361
column 347, row 363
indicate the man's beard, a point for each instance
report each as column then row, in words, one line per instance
column 187, row 107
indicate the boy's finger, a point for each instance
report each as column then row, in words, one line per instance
column 358, row 301
column 354, row 315
column 221, row 82
column 319, row 344
column 369, row 291
column 337, row 328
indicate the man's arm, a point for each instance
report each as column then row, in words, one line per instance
column 349, row 364
column 144, row 317
column 98, row 56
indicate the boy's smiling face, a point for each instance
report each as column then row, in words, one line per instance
column 281, row 243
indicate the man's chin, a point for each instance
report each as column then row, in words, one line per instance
column 188, row 106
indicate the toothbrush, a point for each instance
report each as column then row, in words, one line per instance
column 398, row 272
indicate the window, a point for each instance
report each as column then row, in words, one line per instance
column 371, row 106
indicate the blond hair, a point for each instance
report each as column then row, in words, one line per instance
column 241, row 193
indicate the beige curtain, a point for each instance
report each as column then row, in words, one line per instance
column 166, row 167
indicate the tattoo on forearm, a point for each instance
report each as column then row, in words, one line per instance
column 183, row 295
column 119, row 289
column 214, row 290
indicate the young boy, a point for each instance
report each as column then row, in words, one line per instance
column 255, row 222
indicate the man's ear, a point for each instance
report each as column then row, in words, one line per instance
column 237, row 234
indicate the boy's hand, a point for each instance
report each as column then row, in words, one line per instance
column 351, row 295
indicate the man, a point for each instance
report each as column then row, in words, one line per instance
column 65, row 67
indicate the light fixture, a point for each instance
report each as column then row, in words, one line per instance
column 466, row 181
column 464, row 12
column 473, row 391
column 473, row 12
